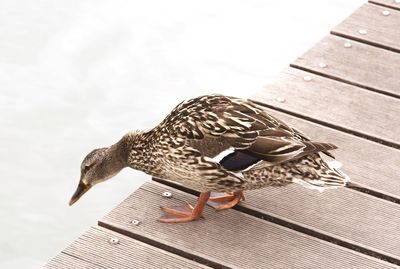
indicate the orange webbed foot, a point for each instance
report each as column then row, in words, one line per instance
column 178, row 214
column 186, row 213
column 229, row 200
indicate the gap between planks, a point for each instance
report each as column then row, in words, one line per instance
column 375, row 193
column 364, row 39
column 394, row 95
column 293, row 225
column 93, row 250
column 82, row 259
column 384, row 4
column 67, row 261
column 364, row 66
column 371, row 43
column 155, row 243
column 117, row 222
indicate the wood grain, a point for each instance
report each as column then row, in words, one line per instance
column 351, row 218
column 387, row 3
column 362, row 65
column 382, row 30
column 355, row 217
column 93, row 250
column 349, row 107
column 65, row 261
column 230, row 238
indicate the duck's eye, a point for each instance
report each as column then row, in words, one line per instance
column 86, row 168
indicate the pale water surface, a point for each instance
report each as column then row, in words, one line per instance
column 76, row 75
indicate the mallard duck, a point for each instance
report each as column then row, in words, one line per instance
column 216, row 144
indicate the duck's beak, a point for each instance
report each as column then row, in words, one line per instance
column 82, row 188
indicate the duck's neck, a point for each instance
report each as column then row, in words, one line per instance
column 139, row 149
column 117, row 155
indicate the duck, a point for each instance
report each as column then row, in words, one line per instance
column 219, row 146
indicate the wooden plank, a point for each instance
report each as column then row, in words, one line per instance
column 382, row 26
column 229, row 238
column 359, row 156
column 351, row 108
column 94, row 250
column 362, row 65
column 349, row 215
column 65, row 261
column 353, row 219
column 395, row 4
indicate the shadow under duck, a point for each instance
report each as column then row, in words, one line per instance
column 216, row 143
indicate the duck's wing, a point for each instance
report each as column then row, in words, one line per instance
column 305, row 138
column 188, row 166
column 252, row 134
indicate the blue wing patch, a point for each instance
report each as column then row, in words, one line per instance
column 239, row 160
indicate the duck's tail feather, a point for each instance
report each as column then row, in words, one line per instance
column 330, row 177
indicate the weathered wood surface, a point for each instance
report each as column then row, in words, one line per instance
column 348, row 215
column 343, row 213
column 362, row 65
column 229, row 238
column 387, row 3
column 65, row 261
column 382, row 26
column 346, row 106
column 94, row 250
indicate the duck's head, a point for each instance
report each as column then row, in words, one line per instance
column 98, row 166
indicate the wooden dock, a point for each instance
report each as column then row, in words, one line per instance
column 345, row 90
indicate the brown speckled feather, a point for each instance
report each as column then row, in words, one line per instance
column 227, row 122
column 243, row 125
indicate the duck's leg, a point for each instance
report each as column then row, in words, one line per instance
column 226, row 201
column 189, row 213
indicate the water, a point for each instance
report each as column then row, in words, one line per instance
column 76, row 75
